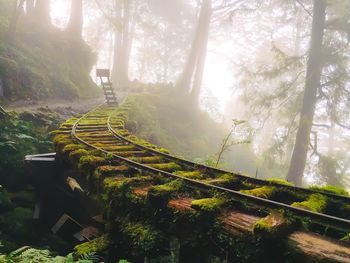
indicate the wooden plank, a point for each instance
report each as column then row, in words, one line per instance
column 321, row 248
column 236, row 222
column 103, row 73
column 182, row 204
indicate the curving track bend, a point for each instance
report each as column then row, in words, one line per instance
column 103, row 129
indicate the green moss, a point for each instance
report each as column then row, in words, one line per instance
column 39, row 63
column 61, row 138
column 330, row 189
column 315, row 203
column 90, row 161
column 280, row 181
column 163, row 150
column 263, row 192
column 72, row 147
column 108, row 170
column 99, row 244
column 75, row 155
column 144, row 143
column 166, row 166
column 165, row 190
column 117, row 148
column 122, row 183
column 61, row 141
column 208, row 204
column 191, row 175
column 69, row 123
column 271, row 225
column 224, row 180
column 147, row 160
column 142, row 236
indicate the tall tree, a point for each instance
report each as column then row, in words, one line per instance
column 203, row 35
column 42, row 12
column 29, row 7
column 17, row 10
column 191, row 79
column 75, row 24
column 122, row 42
column 312, row 84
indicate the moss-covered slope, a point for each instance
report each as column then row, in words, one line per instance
column 41, row 62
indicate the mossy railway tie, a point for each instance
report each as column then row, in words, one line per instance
column 125, row 167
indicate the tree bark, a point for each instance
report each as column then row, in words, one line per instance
column 17, row 10
column 122, row 44
column 202, row 51
column 312, row 83
column 117, row 42
column 29, row 7
column 192, row 76
column 125, row 53
column 75, row 24
column 185, row 82
column 42, row 12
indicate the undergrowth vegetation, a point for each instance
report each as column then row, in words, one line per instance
column 165, row 121
column 20, row 134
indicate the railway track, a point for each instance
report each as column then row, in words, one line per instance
column 143, row 184
column 103, row 129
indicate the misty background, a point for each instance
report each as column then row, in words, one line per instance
column 249, row 65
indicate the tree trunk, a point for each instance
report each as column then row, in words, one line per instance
column 29, row 7
column 312, row 83
column 125, row 53
column 203, row 35
column 17, row 10
column 75, row 25
column 117, row 43
column 123, row 41
column 42, row 12
column 191, row 79
column 185, row 82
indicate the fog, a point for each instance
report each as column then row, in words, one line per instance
column 174, row 131
column 241, row 60
column 244, row 37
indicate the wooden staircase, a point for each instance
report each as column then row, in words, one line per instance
column 104, row 76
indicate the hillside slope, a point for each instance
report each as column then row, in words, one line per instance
column 42, row 62
column 186, row 131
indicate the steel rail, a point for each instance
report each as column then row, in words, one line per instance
column 329, row 220
column 221, row 171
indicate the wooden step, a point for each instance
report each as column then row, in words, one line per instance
column 321, row 248
column 181, row 204
column 236, row 222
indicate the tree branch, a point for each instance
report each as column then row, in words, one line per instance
column 3, row 113
column 305, row 9
column 315, row 145
column 321, row 125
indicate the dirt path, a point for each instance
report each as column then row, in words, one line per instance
column 64, row 108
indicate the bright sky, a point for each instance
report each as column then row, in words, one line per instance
column 218, row 77
column 60, row 12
